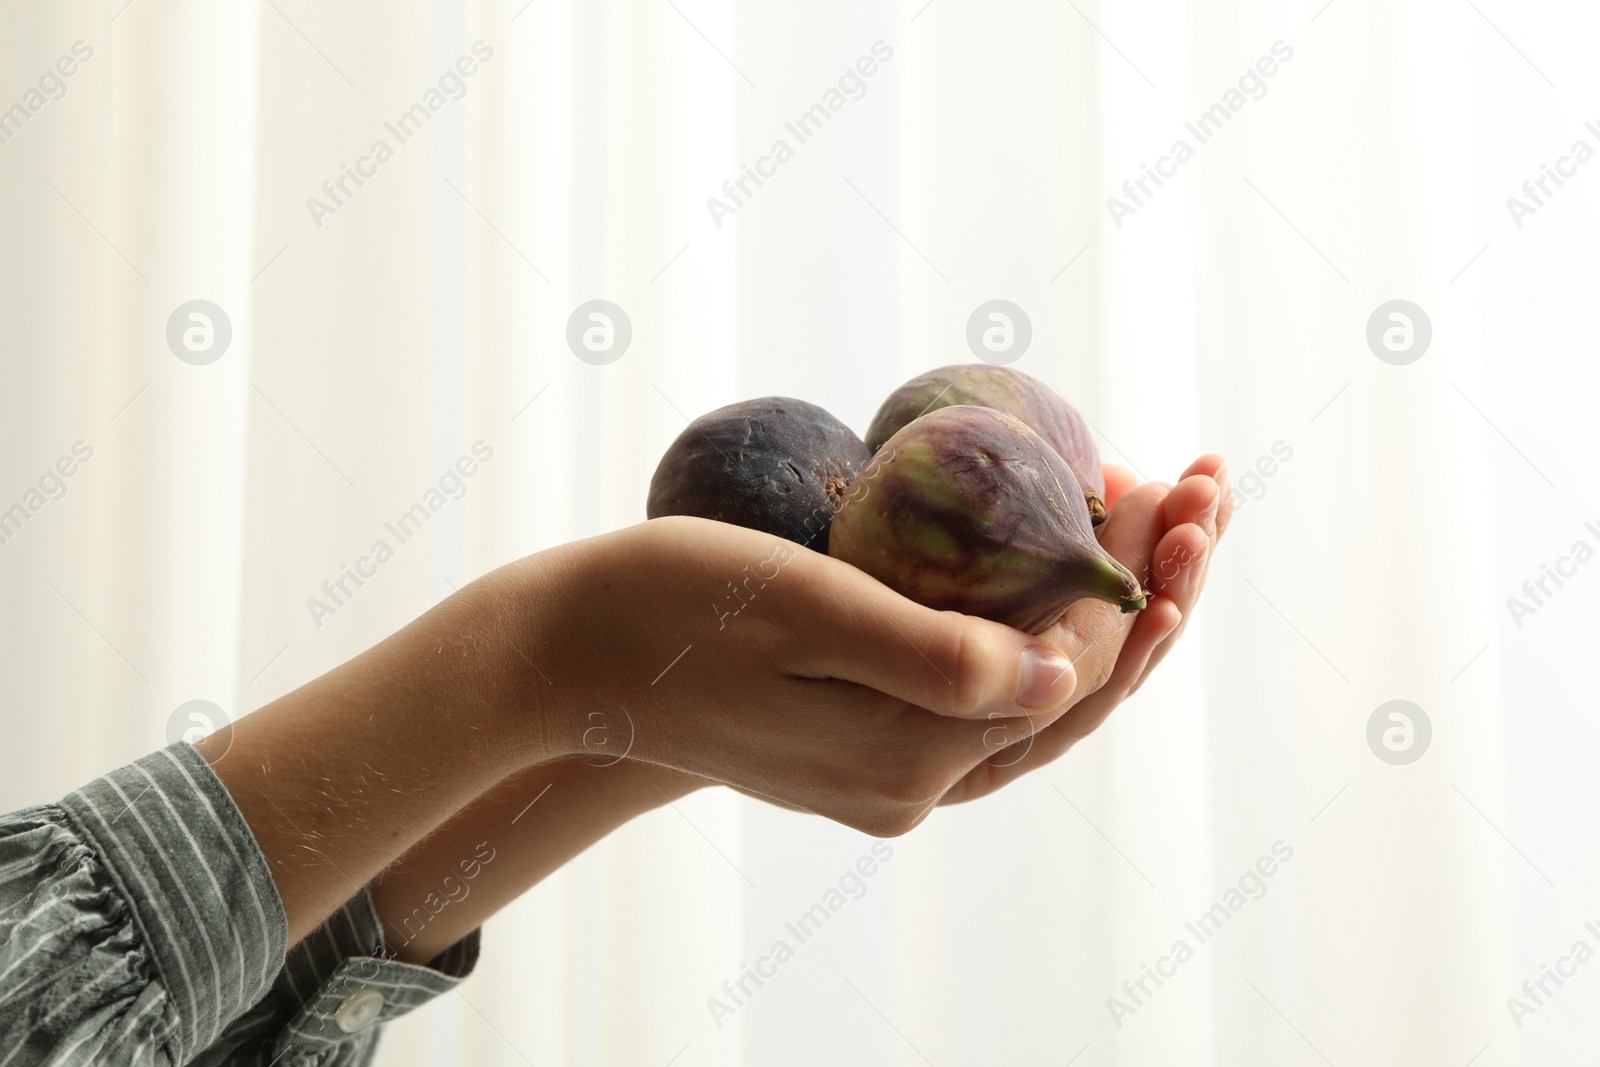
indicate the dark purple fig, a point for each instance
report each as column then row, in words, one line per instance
column 968, row 509
column 775, row 464
column 1017, row 394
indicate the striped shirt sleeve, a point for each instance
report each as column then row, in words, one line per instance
column 336, row 990
column 138, row 917
column 139, row 925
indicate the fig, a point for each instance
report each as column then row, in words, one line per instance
column 1017, row 394
column 775, row 464
column 966, row 508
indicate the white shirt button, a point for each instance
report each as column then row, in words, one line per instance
column 359, row 1010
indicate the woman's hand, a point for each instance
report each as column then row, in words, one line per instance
column 809, row 690
column 741, row 657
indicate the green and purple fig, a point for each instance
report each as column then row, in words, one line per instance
column 1019, row 395
column 775, row 464
column 968, row 509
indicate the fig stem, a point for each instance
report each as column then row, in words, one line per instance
column 1097, row 507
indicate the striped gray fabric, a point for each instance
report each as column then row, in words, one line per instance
column 139, row 925
column 345, row 957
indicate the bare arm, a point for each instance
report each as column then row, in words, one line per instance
column 531, row 824
column 340, row 777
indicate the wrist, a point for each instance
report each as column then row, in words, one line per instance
column 534, row 710
column 669, row 784
column 561, row 703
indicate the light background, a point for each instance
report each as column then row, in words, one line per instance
column 1227, row 314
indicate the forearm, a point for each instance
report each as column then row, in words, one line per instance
column 340, row 777
column 527, row 826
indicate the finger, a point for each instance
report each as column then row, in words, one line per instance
column 1118, row 481
column 1196, row 498
column 1203, row 505
column 1225, row 495
column 1215, row 467
column 958, row 665
column 1091, row 632
column 1207, row 464
column 1193, row 502
column 1178, row 565
column 1027, row 753
column 1155, row 624
column 1130, row 533
column 965, row 667
column 1199, row 499
column 1187, row 552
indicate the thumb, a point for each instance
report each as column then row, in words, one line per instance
column 944, row 661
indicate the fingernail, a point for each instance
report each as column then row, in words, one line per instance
column 1047, row 678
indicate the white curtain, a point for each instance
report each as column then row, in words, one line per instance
column 1395, row 507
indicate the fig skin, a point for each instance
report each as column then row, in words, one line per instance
column 968, row 509
column 1019, row 395
column 773, row 464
